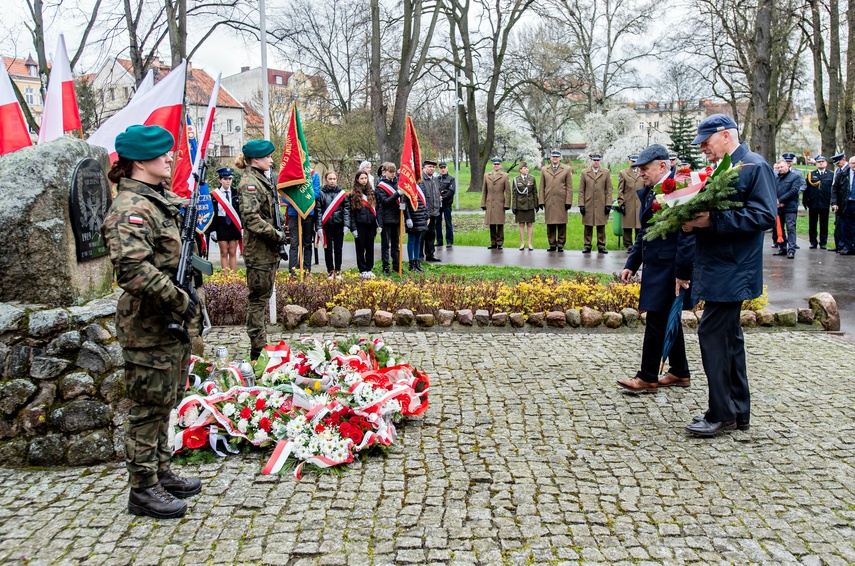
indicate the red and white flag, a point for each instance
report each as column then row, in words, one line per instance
column 209, row 125
column 146, row 84
column 184, row 168
column 410, row 174
column 160, row 106
column 13, row 129
column 60, row 113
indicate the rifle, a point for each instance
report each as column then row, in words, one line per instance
column 188, row 261
column 280, row 223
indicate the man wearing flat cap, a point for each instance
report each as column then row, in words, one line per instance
column 264, row 240
column 556, row 198
column 667, row 271
column 629, row 183
column 495, row 200
column 430, row 187
column 595, row 203
column 817, row 199
column 728, row 270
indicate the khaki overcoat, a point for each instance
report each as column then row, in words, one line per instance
column 595, row 193
column 629, row 181
column 556, row 192
column 495, row 196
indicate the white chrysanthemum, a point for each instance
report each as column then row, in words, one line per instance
column 391, row 362
column 351, row 378
column 353, row 350
column 315, row 445
column 391, row 407
column 190, row 416
column 279, row 430
column 261, row 395
column 242, row 425
column 296, row 427
column 276, row 401
column 260, row 435
column 301, row 452
column 243, row 397
column 229, row 409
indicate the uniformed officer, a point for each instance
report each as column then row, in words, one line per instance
column 629, row 183
column 672, row 161
column 142, row 230
column 817, row 199
column 556, row 198
column 595, row 203
column 840, row 163
column 667, row 265
column 226, row 227
column 495, row 200
column 262, row 237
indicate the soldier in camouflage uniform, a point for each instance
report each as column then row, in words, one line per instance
column 262, row 238
column 142, row 232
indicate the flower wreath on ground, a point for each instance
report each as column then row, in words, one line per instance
column 319, row 402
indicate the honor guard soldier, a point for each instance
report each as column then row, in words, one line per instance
column 629, row 183
column 495, row 200
column 556, row 198
column 595, row 203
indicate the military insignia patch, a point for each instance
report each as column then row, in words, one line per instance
column 136, row 220
column 250, row 187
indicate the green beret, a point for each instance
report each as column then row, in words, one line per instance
column 257, row 148
column 141, row 143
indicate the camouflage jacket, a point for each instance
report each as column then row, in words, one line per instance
column 143, row 234
column 260, row 237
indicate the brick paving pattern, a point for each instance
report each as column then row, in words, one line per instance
column 529, row 454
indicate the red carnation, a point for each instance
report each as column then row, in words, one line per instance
column 260, row 404
column 265, row 424
column 668, row 186
column 319, row 428
column 656, row 206
column 245, row 413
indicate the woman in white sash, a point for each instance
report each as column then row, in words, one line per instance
column 226, row 227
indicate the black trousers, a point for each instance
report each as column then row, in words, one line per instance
column 365, row 246
column 723, row 354
column 847, row 227
column 335, row 242
column 308, row 234
column 818, row 216
column 428, row 240
column 497, row 235
column 389, row 251
column 651, row 351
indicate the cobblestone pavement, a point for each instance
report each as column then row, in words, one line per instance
column 510, row 465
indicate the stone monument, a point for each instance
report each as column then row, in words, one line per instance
column 50, row 230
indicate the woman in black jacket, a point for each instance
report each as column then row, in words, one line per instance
column 416, row 223
column 332, row 220
column 363, row 222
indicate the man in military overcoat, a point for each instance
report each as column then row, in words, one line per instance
column 556, row 198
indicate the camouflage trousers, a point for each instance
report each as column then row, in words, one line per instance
column 259, row 281
column 155, row 379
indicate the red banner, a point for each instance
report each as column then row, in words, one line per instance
column 411, row 171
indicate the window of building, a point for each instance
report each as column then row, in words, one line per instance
column 229, row 125
column 278, row 79
column 127, row 93
column 33, row 70
column 214, row 127
column 112, row 94
column 29, row 95
column 641, row 125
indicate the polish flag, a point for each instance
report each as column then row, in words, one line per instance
column 145, row 85
column 60, row 113
column 13, row 129
column 159, row 106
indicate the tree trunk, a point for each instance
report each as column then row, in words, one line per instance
column 176, row 21
column 849, row 100
column 762, row 131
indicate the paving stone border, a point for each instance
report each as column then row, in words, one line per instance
column 62, row 390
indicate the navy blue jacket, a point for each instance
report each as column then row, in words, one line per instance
column 663, row 261
column 787, row 190
column 818, row 192
column 840, row 188
column 729, row 254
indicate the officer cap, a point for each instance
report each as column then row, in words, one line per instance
column 257, row 148
column 656, row 152
column 789, row 156
column 820, row 158
column 555, row 153
column 225, row 172
column 672, row 155
column 713, row 124
column 141, row 143
column 497, row 160
column 442, row 164
column 428, row 162
column 633, row 157
column 837, row 157
column 595, row 156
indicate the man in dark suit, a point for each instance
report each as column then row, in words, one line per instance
column 667, row 270
column 840, row 165
column 843, row 204
column 817, row 199
column 729, row 270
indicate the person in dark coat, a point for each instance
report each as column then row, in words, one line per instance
column 332, row 219
column 729, row 270
column 363, row 222
column 429, row 186
column 226, row 227
column 843, row 203
column 447, row 189
column 788, row 184
column 389, row 206
column 416, row 221
column 840, row 165
column 817, row 199
column 667, row 271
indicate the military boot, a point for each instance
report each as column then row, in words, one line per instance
column 155, row 502
column 419, row 267
column 177, row 486
column 254, row 353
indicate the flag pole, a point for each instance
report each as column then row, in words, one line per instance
column 401, row 246
column 265, row 111
column 300, row 254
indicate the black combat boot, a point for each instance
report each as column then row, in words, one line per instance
column 177, row 486
column 254, row 353
column 419, row 266
column 155, row 502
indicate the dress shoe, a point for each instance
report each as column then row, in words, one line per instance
column 843, row 251
column 782, row 251
column 155, row 502
column 602, row 251
column 522, row 248
column 669, row 380
column 551, row 249
column 386, row 272
column 560, row 250
column 629, row 250
column 492, row 247
column 499, row 247
column 586, row 251
column 177, row 486
column 813, row 246
column 433, row 259
column 449, row 246
column 741, row 424
column 831, row 249
column 791, row 254
column 705, row 428
column 798, row 247
column 638, row 385
column 822, row 247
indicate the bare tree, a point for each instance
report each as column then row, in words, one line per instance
column 849, row 97
column 825, row 22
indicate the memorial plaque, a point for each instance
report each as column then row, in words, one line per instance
column 89, row 200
